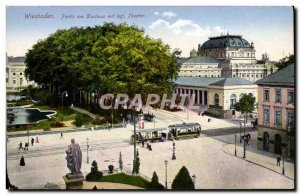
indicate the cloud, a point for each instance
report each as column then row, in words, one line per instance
column 156, row 13
column 169, row 14
column 183, row 33
column 181, row 26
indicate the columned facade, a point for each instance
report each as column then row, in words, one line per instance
column 199, row 93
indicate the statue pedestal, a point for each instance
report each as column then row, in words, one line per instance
column 73, row 182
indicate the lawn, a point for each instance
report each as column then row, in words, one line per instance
column 126, row 179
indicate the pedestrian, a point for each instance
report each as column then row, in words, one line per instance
column 143, row 143
column 32, row 141
column 278, row 161
column 247, row 141
column 20, row 145
column 61, row 135
column 150, row 147
column 37, row 139
column 249, row 136
column 22, row 161
column 109, row 126
column 26, row 146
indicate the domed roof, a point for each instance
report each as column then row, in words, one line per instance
column 226, row 41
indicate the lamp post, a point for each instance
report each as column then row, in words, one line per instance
column 240, row 132
column 173, row 156
column 166, row 163
column 28, row 136
column 194, row 179
column 154, row 122
column 134, row 142
column 87, row 149
column 244, row 156
column 235, row 145
column 62, row 102
column 283, row 162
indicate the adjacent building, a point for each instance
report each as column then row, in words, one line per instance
column 217, row 96
column 276, row 111
column 15, row 74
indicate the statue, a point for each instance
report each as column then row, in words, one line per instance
column 74, row 159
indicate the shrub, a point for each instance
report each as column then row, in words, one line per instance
column 110, row 169
column 154, row 184
column 94, row 175
column 57, row 124
column 183, row 180
column 82, row 119
column 98, row 121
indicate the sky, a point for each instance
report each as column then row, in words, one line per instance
column 184, row 27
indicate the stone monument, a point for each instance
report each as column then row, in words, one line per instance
column 74, row 179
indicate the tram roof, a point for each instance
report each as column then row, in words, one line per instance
column 187, row 125
column 150, row 130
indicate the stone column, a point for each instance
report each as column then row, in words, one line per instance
column 198, row 98
column 203, row 97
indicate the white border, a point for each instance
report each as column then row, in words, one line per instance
column 4, row 3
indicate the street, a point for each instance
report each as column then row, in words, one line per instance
column 204, row 157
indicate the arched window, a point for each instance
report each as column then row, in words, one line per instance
column 232, row 101
column 216, row 100
column 240, row 97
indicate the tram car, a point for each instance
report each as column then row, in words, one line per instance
column 176, row 131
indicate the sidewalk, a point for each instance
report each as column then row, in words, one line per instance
column 261, row 160
column 83, row 111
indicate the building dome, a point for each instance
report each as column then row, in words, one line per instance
column 226, row 41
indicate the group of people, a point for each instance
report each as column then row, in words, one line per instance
column 26, row 146
column 149, row 147
column 246, row 138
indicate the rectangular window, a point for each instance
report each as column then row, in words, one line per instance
column 277, row 96
column 266, row 95
column 291, row 97
column 278, row 118
column 290, row 122
column 266, row 116
column 14, row 82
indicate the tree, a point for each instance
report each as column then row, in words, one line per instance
column 110, row 59
column 94, row 175
column 284, row 62
column 245, row 105
column 183, row 180
column 154, row 184
column 120, row 162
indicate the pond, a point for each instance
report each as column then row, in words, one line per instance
column 22, row 116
